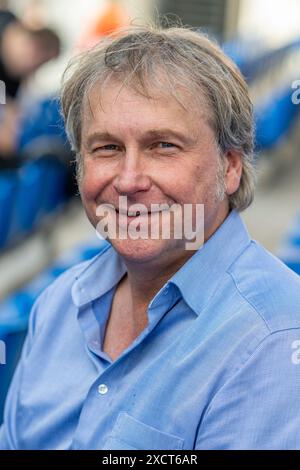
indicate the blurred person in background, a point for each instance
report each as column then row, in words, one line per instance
column 22, row 51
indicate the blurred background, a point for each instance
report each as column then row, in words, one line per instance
column 43, row 229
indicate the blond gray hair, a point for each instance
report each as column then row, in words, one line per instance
column 187, row 59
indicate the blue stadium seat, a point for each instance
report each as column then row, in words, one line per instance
column 8, row 186
column 245, row 53
column 274, row 117
column 13, row 342
column 29, row 193
column 41, row 122
column 254, row 59
column 30, row 196
column 290, row 247
column 54, row 194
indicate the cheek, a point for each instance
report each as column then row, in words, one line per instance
column 89, row 188
column 92, row 183
column 203, row 183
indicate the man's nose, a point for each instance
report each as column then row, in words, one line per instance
column 131, row 174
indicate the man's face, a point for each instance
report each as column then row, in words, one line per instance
column 153, row 151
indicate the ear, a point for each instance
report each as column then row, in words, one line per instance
column 232, row 171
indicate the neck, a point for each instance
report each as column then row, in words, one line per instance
column 144, row 280
column 147, row 279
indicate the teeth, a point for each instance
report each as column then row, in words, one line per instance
column 137, row 213
column 134, row 213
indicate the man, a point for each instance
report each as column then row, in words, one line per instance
column 151, row 345
column 22, row 52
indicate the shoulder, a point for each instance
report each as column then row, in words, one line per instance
column 64, row 282
column 58, row 295
column 268, row 286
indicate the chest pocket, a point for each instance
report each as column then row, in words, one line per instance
column 130, row 434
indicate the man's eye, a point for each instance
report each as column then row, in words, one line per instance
column 165, row 145
column 106, row 147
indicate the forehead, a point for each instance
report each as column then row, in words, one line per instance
column 116, row 103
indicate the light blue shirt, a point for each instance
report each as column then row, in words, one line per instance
column 217, row 367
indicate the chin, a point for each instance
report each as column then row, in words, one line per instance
column 139, row 251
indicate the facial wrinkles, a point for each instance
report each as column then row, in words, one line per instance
column 133, row 129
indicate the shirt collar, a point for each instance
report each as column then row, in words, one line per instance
column 103, row 273
column 196, row 279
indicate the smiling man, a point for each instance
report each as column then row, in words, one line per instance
column 151, row 345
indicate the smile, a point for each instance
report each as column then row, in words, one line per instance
column 131, row 213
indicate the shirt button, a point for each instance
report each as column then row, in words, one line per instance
column 103, row 389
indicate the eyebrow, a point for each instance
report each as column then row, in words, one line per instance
column 149, row 135
column 96, row 136
column 166, row 133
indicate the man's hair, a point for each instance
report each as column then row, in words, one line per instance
column 139, row 57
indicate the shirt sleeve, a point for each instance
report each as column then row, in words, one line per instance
column 259, row 406
column 9, row 428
